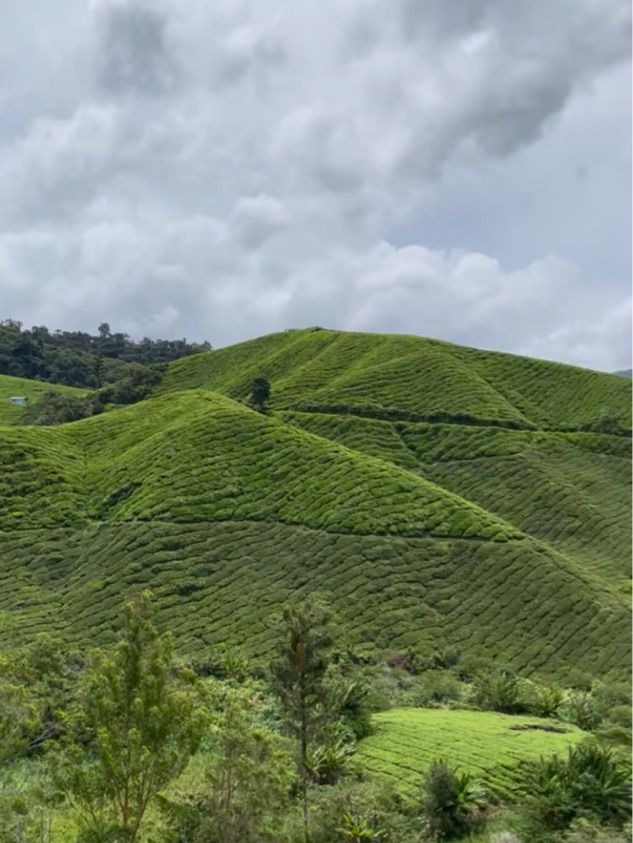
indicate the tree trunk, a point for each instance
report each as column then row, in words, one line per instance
column 304, row 763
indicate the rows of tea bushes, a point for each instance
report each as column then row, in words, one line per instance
column 570, row 490
column 488, row 745
column 481, row 535
column 222, row 581
column 409, row 378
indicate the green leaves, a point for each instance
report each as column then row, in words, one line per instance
column 589, row 783
column 144, row 728
column 451, row 801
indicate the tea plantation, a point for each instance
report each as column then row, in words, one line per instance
column 32, row 390
column 486, row 744
column 437, row 495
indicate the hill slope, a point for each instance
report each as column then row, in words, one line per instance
column 400, row 377
column 484, row 533
column 10, row 386
column 487, row 745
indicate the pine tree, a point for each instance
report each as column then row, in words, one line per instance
column 300, row 682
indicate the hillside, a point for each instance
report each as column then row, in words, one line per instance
column 440, row 496
column 10, row 386
column 486, row 744
column 408, row 378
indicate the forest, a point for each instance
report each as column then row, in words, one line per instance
column 76, row 358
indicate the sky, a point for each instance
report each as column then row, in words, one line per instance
column 220, row 170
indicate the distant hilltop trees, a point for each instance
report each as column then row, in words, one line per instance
column 76, row 358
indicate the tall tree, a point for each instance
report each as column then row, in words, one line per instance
column 145, row 729
column 299, row 681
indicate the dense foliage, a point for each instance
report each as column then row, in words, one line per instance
column 76, row 358
column 130, row 745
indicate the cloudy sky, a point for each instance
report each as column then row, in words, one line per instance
column 218, row 170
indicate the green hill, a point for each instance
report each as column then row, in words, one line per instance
column 10, row 386
column 438, row 495
column 410, row 378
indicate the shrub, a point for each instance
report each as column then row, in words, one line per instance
column 400, row 659
column 582, row 709
column 436, row 687
column 451, row 803
column 541, row 700
column 362, row 811
column 590, row 783
column 498, row 690
column 327, row 762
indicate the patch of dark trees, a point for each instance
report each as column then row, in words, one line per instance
column 77, row 358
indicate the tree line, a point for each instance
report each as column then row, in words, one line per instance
column 77, row 358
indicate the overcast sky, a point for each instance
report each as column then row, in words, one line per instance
column 218, row 170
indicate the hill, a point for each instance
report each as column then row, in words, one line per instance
column 30, row 389
column 440, row 496
column 408, row 378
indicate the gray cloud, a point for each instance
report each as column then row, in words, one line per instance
column 131, row 52
column 221, row 170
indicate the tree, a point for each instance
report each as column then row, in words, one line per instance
column 300, row 684
column 260, row 393
column 144, row 730
column 136, row 384
column 58, row 408
column 98, row 371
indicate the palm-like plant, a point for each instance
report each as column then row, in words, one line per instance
column 590, row 782
column 452, row 801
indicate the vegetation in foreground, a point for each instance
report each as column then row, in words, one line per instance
column 131, row 745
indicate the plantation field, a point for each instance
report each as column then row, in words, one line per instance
column 411, row 378
column 485, row 744
column 9, row 386
column 570, row 490
column 495, row 527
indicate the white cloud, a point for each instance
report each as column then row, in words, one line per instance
column 221, row 170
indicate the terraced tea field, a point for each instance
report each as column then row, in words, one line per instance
column 400, row 377
column 9, row 386
column 485, row 744
column 492, row 525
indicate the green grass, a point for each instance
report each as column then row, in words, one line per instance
column 9, row 386
column 485, row 744
column 509, row 538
